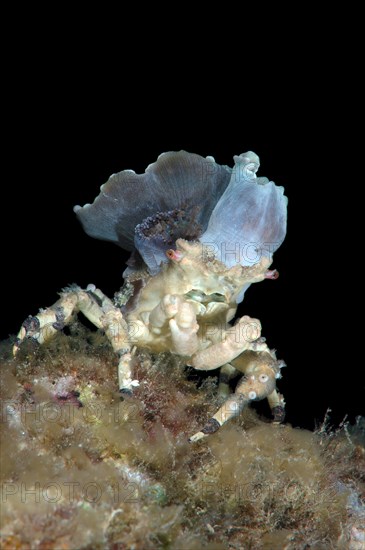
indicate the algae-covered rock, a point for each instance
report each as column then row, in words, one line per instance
column 80, row 468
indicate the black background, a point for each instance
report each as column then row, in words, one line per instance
column 65, row 140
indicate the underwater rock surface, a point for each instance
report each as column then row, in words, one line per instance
column 82, row 469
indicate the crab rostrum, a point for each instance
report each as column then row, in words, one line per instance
column 199, row 235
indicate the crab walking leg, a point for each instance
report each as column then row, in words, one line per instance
column 226, row 374
column 48, row 321
column 230, row 409
column 43, row 326
column 244, row 335
column 248, row 361
column 116, row 330
column 258, row 384
column 110, row 318
column 99, row 309
column 277, row 406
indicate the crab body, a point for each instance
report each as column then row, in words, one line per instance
column 193, row 292
column 186, row 275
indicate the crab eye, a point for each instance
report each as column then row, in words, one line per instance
column 252, row 395
column 174, row 255
column 263, row 378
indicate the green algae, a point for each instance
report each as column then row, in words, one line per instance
column 82, row 469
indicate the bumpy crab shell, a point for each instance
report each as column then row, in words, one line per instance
column 183, row 195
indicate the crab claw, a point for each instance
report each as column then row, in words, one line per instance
column 271, row 274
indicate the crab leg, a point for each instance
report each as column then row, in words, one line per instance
column 244, row 335
column 99, row 309
column 258, row 383
column 48, row 322
column 226, row 373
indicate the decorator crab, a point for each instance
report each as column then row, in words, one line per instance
column 200, row 234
